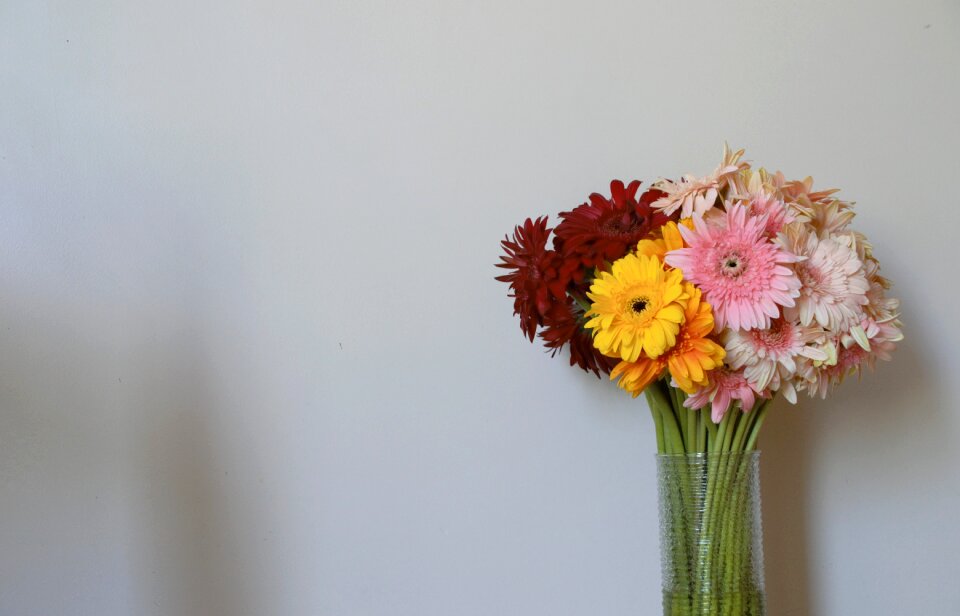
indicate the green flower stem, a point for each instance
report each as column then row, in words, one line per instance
column 682, row 419
column 727, row 513
column 707, row 550
column 672, row 431
column 671, row 394
column 658, row 397
column 691, row 425
column 733, row 477
column 755, row 433
column 701, row 433
column 724, row 504
column 732, row 532
column 721, row 432
column 743, row 425
column 658, row 424
column 661, row 408
column 681, row 500
column 709, row 538
column 731, row 428
column 720, row 492
column 711, row 430
column 721, row 500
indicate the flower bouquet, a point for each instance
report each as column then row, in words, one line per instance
column 707, row 293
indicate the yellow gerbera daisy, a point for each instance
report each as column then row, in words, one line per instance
column 637, row 308
column 689, row 361
column 670, row 239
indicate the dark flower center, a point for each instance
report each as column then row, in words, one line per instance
column 622, row 224
column 639, row 305
column 733, row 265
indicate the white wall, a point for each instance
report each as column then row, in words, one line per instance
column 253, row 359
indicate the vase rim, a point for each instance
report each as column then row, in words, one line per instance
column 708, row 454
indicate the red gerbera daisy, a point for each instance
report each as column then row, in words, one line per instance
column 562, row 325
column 606, row 229
column 537, row 281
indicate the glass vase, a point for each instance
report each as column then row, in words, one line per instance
column 710, row 534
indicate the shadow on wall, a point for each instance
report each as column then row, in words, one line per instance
column 868, row 421
column 189, row 549
column 112, row 483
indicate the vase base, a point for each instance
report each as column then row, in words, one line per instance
column 745, row 603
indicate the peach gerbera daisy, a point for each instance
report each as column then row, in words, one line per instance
column 770, row 356
column 875, row 340
column 693, row 195
column 833, row 286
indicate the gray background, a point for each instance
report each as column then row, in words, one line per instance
column 253, row 361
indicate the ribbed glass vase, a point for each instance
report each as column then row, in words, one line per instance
column 711, row 540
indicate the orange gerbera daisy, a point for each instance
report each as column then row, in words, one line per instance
column 689, row 361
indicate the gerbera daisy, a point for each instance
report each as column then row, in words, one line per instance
column 833, row 286
column 689, row 361
column 773, row 210
column 537, row 281
column 726, row 385
column 563, row 325
column 827, row 217
column 637, row 308
column 862, row 346
column 603, row 230
column 670, row 239
column 879, row 306
column 752, row 182
column 849, row 362
column 769, row 356
column 692, row 195
column 797, row 190
column 742, row 273
column 877, row 337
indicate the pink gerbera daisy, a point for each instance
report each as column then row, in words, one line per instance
column 726, row 385
column 774, row 211
column 741, row 272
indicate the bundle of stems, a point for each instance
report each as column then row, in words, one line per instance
column 710, row 566
column 688, row 431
